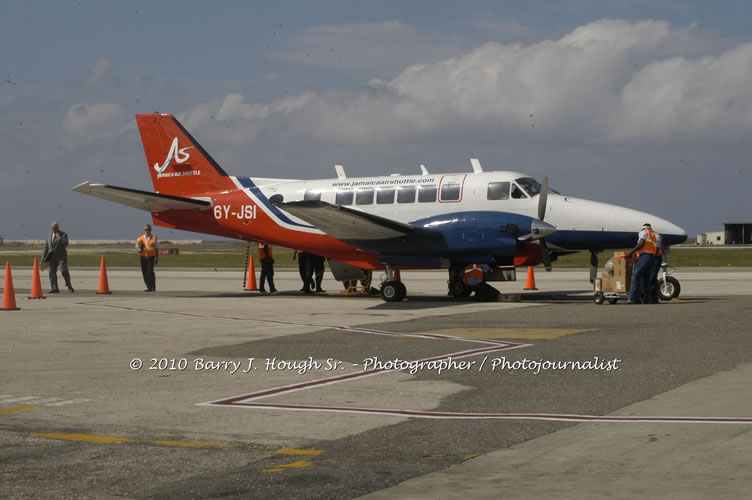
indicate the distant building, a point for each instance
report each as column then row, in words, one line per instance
column 714, row 238
column 738, row 233
column 734, row 233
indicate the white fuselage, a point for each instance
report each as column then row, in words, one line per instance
column 467, row 192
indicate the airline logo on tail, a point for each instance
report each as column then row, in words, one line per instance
column 179, row 154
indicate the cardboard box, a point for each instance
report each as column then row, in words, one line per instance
column 622, row 272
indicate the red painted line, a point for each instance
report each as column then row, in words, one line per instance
column 350, row 376
column 243, row 401
column 503, row 416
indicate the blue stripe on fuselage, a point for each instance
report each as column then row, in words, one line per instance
column 247, row 183
column 602, row 240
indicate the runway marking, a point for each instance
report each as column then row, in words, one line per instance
column 100, row 439
column 514, row 333
column 294, row 465
column 502, row 416
column 17, row 408
column 276, row 391
column 294, row 451
column 244, row 400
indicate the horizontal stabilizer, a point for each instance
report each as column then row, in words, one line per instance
column 344, row 223
column 143, row 200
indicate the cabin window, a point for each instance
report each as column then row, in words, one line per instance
column 276, row 198
column 450, row 192
column 529, row 185
column 312, row 195
column 517, row 193
column 344, row 197
column 364, row 196
column 406, row 194
column 426, row 194
column 498, row 191
column 385, row 196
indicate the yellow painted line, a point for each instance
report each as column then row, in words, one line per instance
column 470, row 456
column 513, row 333
column 17, row 408
column 91, row 438
column 294, row 465
column 295, row 451
column 188, row 444
column 83, row 437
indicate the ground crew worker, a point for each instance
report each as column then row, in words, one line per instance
column 148, row 248
column 646, row 248
column 56, row 253
column 302, row 268
column 651, row 294
column 267, row 268
column 314, row 264
column 474, row 278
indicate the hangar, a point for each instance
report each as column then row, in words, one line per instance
column 734, row 233
column 738, row 233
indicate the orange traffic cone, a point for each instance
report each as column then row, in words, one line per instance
column 104, row 286
column 251, row 284
column 36, row 283
column 9, row 295
column 396, row 275
column 530, row 283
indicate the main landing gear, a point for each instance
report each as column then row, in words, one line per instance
column 392, row 290
column 457, row 288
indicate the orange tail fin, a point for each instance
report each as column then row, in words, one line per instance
column 178, row 165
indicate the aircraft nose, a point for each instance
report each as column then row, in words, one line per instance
column 674, row 234
column 540, row 229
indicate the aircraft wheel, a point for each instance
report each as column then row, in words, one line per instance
column 393, row 291
column 669, row 289
column 458, row 290
column 598, row 298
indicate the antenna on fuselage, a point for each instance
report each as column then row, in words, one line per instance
column 340, row 172
column 476, row 165
column 423, row 170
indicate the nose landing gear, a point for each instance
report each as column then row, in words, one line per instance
column 392, row 290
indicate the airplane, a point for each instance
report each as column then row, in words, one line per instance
column 394, row 222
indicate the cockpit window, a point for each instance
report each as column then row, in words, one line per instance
column 517, row 192
column 529, row 185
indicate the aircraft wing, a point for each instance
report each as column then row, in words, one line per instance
column 143, row 200
column 346, row 224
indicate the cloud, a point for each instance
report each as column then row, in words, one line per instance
column 367, row 48
column 93, row 121
column 98, row 73
column 608, row 81
column 709, row 97
column 234, row 107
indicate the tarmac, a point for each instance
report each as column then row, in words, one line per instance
column 202, row 390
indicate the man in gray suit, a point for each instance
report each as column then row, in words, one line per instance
column 55, row 253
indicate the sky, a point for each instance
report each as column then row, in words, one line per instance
column 642, row 104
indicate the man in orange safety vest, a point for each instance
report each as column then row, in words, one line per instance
column 148, row 248
column 646, row 249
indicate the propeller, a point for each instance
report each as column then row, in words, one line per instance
column 542, row 200
column 539, row 229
